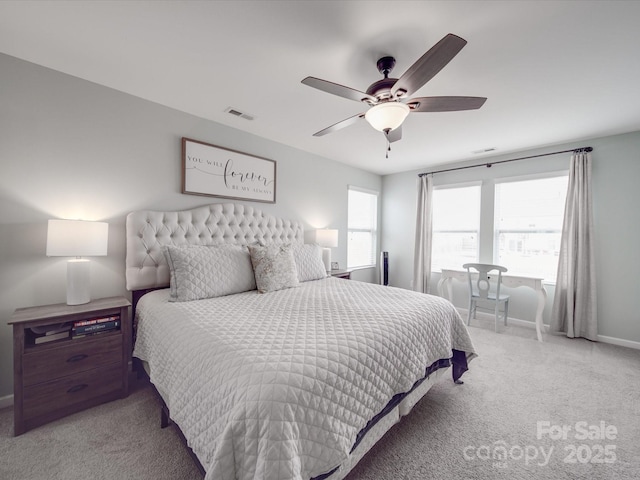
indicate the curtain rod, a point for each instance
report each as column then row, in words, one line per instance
column 488, row 165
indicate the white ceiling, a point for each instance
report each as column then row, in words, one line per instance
column 553, row 72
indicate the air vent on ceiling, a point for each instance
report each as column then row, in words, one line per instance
column 484, row 150
column 238, row 113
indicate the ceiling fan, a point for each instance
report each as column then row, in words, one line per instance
column 388, row 98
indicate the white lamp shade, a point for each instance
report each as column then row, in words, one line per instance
column 387, row 116
column 77, row 238
column 327, row 237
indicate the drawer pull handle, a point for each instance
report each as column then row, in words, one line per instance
column 77, row 388
column 77, row 358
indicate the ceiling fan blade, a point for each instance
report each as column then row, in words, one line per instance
column 336, row 89
column 340, row 125
column 429, row 65
column 445, row 104
column 395, row 134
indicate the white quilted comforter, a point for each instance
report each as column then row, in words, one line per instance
column 278, row 385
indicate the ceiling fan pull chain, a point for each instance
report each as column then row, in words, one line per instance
column 386, row 135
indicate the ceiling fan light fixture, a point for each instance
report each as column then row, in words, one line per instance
column 387, row 116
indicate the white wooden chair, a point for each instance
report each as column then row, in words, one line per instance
column 480, row 289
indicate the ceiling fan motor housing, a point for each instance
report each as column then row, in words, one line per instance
column 381, row 89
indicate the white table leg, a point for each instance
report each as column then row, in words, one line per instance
column 542, row 300
column 445, row 288
column 449, row 287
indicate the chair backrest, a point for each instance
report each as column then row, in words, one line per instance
column 482, row 284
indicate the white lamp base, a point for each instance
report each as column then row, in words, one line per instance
column 326, row 259
column 78, row 288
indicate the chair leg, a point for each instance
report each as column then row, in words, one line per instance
column 497, row 314
column 471, row 309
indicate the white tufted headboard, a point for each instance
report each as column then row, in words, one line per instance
column 149, row 231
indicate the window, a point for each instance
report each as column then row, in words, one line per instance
column 528, row 225
column 362, row 228
column 456, row 225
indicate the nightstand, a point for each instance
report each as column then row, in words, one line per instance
column 52, row 379
column 346, row 274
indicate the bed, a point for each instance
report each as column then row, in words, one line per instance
column 283, row 378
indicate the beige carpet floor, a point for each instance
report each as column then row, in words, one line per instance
column 500, row 424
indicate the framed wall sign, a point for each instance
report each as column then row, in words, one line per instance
column 219, row 172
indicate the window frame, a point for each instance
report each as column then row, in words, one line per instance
column 496, row 232
column 450, row 186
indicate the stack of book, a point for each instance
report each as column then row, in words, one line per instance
column 49, row 333
column 83, row 328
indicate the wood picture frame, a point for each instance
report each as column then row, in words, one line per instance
column 215, row 171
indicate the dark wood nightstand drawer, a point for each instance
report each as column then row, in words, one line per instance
column 72, row 390
column 42, row 364
column 53, row 378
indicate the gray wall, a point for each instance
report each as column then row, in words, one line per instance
column 616, row 200
column 73, row 149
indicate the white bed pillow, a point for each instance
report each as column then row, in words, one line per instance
column 274, row 267
column 204, row 271
column 308, row 258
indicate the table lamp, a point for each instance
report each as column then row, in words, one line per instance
column 77, row 238
column 328, row 239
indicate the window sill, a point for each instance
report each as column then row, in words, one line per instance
column 353, row 269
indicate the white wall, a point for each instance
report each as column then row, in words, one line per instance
column 73, row 149
column 616, row 196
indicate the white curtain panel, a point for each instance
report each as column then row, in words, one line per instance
column 422, row 255
column 574, row 310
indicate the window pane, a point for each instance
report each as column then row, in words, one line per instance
column 454, row 249
column 362, row 210
column 360, row 251
column 456, row 224
column 362, row 225
column 528, row 226
column 456, row 209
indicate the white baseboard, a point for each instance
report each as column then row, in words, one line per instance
column 528, row 324
column 619, row 341
column 6, row 401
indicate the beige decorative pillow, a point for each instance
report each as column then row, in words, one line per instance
column 274, row 267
